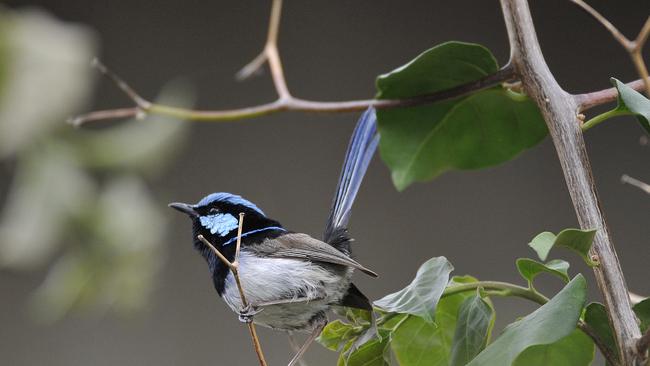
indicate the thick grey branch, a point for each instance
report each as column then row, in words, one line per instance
column 560, row 113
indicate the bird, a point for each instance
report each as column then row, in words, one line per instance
column 290, row 279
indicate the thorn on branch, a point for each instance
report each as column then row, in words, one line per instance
column 626, row 179
column 253, row 68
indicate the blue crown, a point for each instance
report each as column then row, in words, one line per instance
column 229, row 198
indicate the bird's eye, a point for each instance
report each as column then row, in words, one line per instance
column 214, row 210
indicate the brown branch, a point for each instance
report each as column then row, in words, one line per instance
column 234, row 268
column 292, row 104
column 589, row 100
column 633, row 47
column 559, row 110
column 644, row 343
column 602, row 346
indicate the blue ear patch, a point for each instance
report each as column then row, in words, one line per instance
column 221, row 224
column 230, row 198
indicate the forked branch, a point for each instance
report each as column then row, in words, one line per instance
column 287, row 102
column 633, row 47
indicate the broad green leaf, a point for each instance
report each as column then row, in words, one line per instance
column 487, row 128
column 575, row 239
column 629, row 100
column 421, row 296
column 642, row 311
column 335, row 335
column 551, row 322
column 596, row 318
column 529, row 268
column 418, row 343
column 475, row 320
column 576, row 349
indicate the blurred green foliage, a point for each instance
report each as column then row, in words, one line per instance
column 77, row 202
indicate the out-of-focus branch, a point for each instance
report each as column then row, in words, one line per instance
column 635, row 182
column 633, row 47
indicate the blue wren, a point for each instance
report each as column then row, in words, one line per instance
column 290, row 279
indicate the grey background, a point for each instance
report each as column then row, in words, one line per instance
column 288, row 164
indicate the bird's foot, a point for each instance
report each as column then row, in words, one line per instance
column 246, row 313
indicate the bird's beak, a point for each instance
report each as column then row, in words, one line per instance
column 184, row 208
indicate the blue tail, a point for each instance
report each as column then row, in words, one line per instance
column 360, row 151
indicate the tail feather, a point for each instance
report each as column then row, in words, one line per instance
column 361, row 148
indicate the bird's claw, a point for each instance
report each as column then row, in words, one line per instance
column 247, row 313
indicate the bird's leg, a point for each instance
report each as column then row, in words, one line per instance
column 318, row 327
column 247, row 313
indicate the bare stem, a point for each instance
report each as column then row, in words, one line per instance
column 559, row 110
column 234, row 268
column 633, row 47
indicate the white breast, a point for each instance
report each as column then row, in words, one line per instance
column 271, row 279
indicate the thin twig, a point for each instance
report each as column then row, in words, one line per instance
column 633, row 47
column 620, row 37
column 126, row 88
column 234, row 268
column 635, row 182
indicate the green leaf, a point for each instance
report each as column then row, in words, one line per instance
column 418, row 343
column 421, row 296
column 487, row 128
column 475, row 321
column 335, row 335
column 642, row 311
column 355, row 316
column 576, row 349
column 575, row 239
column 529, row 268
column 371, row 353
column 629, row 100
column 596, row 318
column 548, row 324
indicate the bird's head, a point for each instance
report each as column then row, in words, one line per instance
column 216, row 217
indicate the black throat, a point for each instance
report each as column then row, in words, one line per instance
column 255, row 230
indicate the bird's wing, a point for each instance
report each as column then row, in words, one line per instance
column 303, row 246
